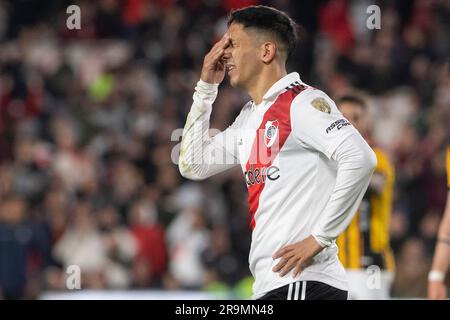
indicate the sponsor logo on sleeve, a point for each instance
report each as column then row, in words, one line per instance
column 338, row 125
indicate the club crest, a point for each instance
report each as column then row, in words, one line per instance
column 270, row 132
column 321, row 104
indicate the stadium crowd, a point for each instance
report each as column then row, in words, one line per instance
column 90, row 122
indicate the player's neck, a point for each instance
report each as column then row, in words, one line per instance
column 264, row 81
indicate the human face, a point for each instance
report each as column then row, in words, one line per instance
column 354, row 113
column 241, row 57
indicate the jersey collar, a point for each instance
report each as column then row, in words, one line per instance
column 278, row 87
column 281, row 85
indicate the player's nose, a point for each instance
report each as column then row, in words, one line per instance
column 226, row 55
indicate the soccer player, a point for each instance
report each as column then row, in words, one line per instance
column 364, row 247
column 305, row 166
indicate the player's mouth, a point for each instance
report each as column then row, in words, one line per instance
column 230, row 67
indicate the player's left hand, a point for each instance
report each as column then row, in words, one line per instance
column 298, row 255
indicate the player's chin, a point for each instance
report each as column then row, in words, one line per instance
column 233, row 81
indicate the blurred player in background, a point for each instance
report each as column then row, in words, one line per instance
column 365, row 242
column 306, row 167
column 436, row 278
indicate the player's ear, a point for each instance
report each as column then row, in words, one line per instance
column 268, row 52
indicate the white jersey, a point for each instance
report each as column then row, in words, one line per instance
column 285, row 147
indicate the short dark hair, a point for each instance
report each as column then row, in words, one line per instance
column 268, row 19
column 352, row 97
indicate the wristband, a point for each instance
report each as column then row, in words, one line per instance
column 436, row 275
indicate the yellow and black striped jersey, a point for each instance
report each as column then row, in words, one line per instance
column 366, row 240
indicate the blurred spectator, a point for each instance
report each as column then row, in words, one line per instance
column 15, row 243
column 188, row 237
column 81, row 245
column 151, row 254
column 412, row 268
column 219, row 258
column 121, row 248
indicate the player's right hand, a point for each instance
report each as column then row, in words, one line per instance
column 437, row 290
column 213, row 70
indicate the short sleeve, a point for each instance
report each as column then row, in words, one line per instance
column 317, row 123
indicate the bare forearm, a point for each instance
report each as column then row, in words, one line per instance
column 441, row 258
